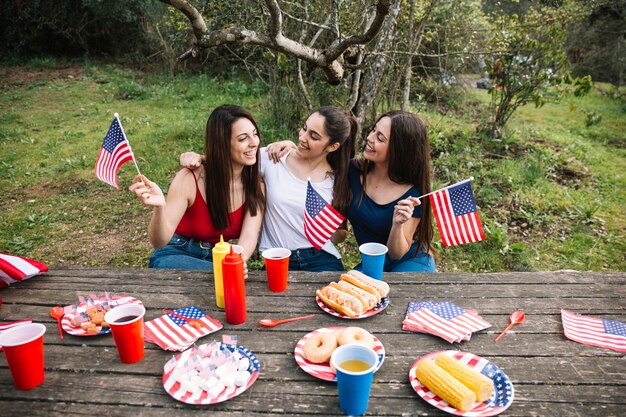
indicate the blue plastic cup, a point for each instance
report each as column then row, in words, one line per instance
column 354, row 386
column 373, row 259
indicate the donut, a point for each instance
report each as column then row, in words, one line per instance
column 319, row 347
column 355, row 335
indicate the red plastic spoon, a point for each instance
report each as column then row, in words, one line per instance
column 272, row 323
column 57, row 313
column 516, row 318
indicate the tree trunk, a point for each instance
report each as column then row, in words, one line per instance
column 408, row 69
column 415, row 40
column 373, row 75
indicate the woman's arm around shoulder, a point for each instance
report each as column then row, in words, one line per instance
column 277, row 150
column 191, row 160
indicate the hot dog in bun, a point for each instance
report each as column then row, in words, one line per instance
column 371, row 285
column 340, row 301
column 368, row 299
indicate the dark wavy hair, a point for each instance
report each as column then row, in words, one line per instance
column 218, row 166
column 342, row 128
column 409, row 163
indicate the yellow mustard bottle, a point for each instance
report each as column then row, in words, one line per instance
column 220, row 250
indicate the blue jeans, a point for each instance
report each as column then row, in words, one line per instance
column 408, row 263
column 182, row 253
column 311, row 259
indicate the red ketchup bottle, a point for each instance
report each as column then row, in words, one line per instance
column 234, row 288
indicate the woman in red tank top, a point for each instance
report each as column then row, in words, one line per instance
column 224, row 196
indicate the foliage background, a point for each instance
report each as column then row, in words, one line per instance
column 550, row 189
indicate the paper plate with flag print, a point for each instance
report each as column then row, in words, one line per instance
column 66, row 322
column 322, row 370
column 369, row 313
column 174, row 385
column 500, row 400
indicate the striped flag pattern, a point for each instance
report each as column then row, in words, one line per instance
column 173, row 333
column 17, row 268
column 445, row 319
column 320, row 218
column 608, row 334
column 6, row 325
column 114, row 153
column 456, row 215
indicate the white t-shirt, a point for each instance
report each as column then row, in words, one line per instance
column 283, row 224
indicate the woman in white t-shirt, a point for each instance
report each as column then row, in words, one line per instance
column 325, row 145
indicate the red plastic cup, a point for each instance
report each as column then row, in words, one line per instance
column 23, row 348
column 126, row 322
column 277, row 268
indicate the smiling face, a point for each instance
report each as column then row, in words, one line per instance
column 313, row 138
column 244, row 143
column 377, row 145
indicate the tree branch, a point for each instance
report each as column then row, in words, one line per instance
column 329, row 60
column 337, row 47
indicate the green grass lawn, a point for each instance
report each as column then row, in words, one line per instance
column 551, row 193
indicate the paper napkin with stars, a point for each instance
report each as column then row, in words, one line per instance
column 445, row 319
column 175, row 333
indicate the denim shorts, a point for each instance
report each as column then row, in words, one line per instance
column 183, row 253
column 311, row 259
column 409, row 262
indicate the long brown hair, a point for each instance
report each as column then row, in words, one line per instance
column 409, row 163
column 341, row 127
column 218, row 166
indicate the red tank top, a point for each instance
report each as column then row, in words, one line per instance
column 197, row 224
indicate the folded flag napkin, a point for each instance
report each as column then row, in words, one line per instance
column 6, row 325
column 17, row 268
column 609, row 334
column 445, row 319
column 174, row 333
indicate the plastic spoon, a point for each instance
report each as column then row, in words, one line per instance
column 272, row 323
column 516, row 318
column 57, row 313
column 196, row 324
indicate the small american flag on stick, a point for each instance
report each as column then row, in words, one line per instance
column 321, row 219
column 456, row 214
column 114, row 153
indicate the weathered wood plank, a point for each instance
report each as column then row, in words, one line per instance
column 61, row 409
column 552, row 375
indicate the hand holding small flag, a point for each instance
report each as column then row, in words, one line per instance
column 114, row 153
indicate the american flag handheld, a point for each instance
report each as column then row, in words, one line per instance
column 114, row 152
column 456, row 214
column 321, row 220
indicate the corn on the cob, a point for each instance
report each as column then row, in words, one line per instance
column 478, row 383
column 445, row 385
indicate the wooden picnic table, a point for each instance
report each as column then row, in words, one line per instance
column 552, row 376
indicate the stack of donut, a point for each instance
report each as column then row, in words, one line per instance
column 354, row 294
column 320, row 346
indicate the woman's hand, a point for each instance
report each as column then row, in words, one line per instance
column 147, row 191
column 403, row 211
column 277, row 150
column 190, row 160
